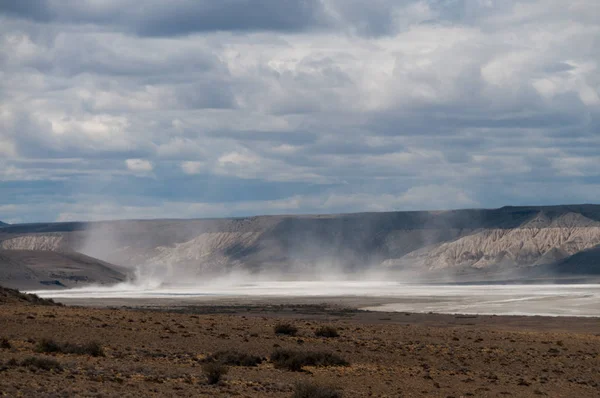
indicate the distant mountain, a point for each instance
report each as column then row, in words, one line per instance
column 3, row 224
column 514, row 241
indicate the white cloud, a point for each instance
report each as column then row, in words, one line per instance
column 7, row 148
column 436, row 197
column 191, row 167
column 238, row 159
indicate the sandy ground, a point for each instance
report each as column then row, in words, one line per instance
column 157, row 351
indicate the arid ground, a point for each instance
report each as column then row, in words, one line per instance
column 161, row 352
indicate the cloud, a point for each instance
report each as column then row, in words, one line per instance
column 191, row 167
column 422, row 198
column 139, row 165
column 296, row 105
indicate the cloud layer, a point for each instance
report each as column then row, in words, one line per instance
column 202, row 108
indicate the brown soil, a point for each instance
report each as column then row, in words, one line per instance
column 160, row 352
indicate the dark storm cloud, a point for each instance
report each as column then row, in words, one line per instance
column 181, row 17
column 39, row 10
column 171, row 18
column 176, row 17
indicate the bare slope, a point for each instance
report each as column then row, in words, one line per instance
column 28, row 269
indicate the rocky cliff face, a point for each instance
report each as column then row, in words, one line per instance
column 46, row 242
column 452, row 241
column 540, row 241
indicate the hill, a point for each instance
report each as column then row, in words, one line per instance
column 36, row 269
column 13, row 296
column 515, row 241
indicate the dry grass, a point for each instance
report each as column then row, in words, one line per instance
column 310, row 390
column 41, row 363
column 234, row 358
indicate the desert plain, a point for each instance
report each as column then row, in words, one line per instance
column 162, row 351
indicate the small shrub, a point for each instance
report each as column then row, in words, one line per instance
column 287, row 359
column 41, row 363
column 294, row 360
column 4, row 343
column 92, row 348
column 234, row 358
column 310, row 390
column 214, row 371
column 50, row 346
column 47, row 346
column 285, row 328
column 327, row 331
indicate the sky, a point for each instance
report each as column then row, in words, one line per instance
column 199, row 108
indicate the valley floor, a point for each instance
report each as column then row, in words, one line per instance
column 159, row 352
